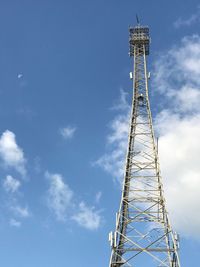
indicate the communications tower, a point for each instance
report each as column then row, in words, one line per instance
column 143, row 236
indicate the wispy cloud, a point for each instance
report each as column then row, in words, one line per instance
column 87, row 217
column 177, row 75
column 26, row 112
column 11, row 154
column 113, row 160
column 22, row 212
column 67, row 132
column 14, row 223
column 12, row 188
column 63, row 204
column 194, row 18
column 59, row 196
column 98, row 197
column 121, row 103
column 11, row 184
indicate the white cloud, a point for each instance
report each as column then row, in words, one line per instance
column 114, row 158
column 20, row 211
column 179, row 149
column 11, row 184
column 179, row 128
column 194, row 18
column 179, row 68
column 121, row 103
column 67, row 132
column 87, row 217
column 176, row 84
column 14, row 223
column 59, row 196
column 10, row 153
column 63, row 204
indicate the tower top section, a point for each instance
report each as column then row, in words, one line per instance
column 139, row 37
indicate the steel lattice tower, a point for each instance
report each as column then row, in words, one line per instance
column 143, row 235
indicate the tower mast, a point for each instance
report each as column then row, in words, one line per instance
column 143, row 236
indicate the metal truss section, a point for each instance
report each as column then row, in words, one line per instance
column 143, row 236
column 139, row 36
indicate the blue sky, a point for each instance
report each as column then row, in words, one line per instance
column 64, row 98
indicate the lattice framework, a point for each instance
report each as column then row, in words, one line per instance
column 143, row 235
